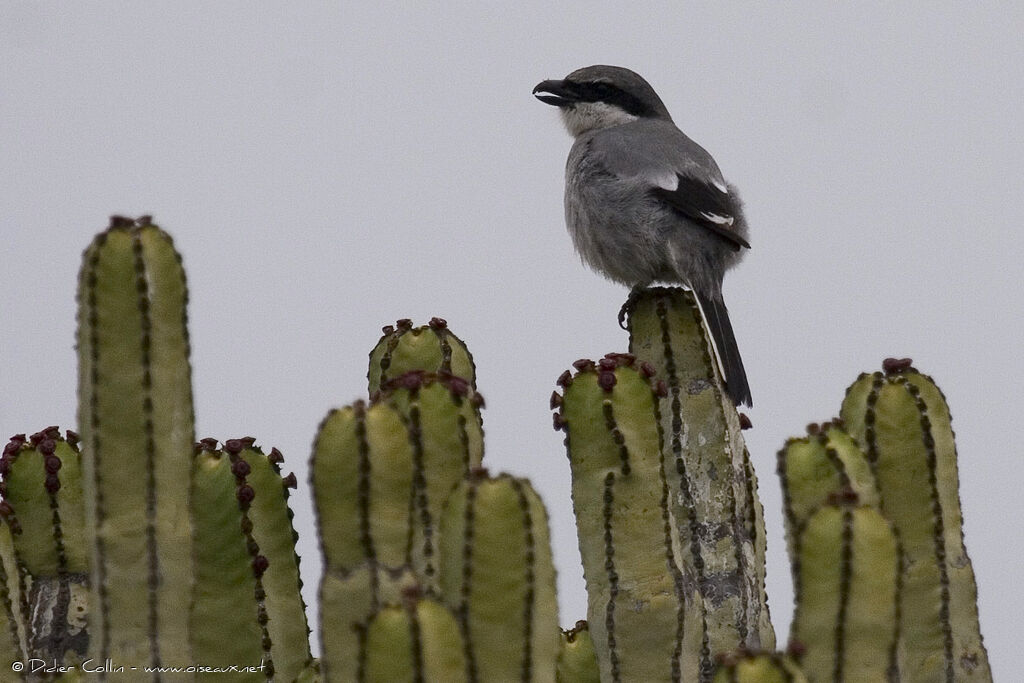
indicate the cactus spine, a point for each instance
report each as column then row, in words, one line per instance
column 135, row 412
column 901, row 420
column 712, row 488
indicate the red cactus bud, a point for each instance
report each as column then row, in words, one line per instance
column 893, row 366
column 438, row 323
column 260, row 564
column 240, row 469
column 606, row 380
column 275, row 456
column 291, row 481
column 234, row 446
column 556, row 400
column 458, row 386
column 745, row 422
column 564, row 380
column 245, row 494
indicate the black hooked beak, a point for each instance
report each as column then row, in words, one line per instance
column 557, row 93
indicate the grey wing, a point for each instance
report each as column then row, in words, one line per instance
column 676, row 171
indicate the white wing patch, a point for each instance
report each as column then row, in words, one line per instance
column 715, row 218
column 721, row 186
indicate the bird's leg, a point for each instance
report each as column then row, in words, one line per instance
column 634, row 294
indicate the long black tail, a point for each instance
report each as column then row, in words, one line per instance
column 717, row 317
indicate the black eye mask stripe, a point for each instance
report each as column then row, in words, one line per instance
column 598, row 91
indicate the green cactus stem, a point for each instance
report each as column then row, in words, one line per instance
column 747, row 667
column 135, row 413
column 361, row 475
column 577, row 661
column 246, row 604
column 348, row 600
column 712, row 486
column 442, row 415
column 272, row 530
column 13, row 598
column 42, row 487
column 417, row 641
column 846, row 574
column 430, row 348
column 228, row 618
column 498, row 576
column 637, row 611
column 815, row 468
column 902, row 421
column 311, row 674
column 42, row 481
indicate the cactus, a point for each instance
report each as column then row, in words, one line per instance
column 817, row 467
column 348, row 601
column 429, row 348
column 758, row 668
column 846, row 568
column 577, row 661
column 901, row 420
column 442, row 414
column 637, row 607
column 13, row 599
column 246, row 608
column 434, row 571
column 361, row 474
column 42, row 487
column 497, row 575
column 418, row 640
column 712, row 486
column 135, row 416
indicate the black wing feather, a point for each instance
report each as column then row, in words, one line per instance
column 693, row 198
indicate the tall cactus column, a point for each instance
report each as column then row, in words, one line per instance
column 901, row 420
column 638, row 615
column 713, row 489
column 135, row 415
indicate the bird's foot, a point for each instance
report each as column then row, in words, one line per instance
column 634, row 294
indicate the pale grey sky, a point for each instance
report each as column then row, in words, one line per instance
column 326, row 168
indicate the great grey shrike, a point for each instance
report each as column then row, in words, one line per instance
column 645, row 203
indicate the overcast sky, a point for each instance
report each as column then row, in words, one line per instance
column 327, row 168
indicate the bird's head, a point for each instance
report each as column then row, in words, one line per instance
column 596, row 97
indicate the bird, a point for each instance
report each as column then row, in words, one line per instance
column 645, row 203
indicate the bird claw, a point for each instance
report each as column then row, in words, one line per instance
column 634, row 294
